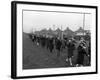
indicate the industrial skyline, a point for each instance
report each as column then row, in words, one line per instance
column 33, row 21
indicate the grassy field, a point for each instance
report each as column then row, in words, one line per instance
column 35, row 57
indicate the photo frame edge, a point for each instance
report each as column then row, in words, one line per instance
column 14, row 38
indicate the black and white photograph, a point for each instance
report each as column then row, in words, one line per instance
column 54, row 39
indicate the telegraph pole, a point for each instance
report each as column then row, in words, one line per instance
column 61, row 33
column 83, row 22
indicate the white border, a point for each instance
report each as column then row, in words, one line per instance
column 35, row 72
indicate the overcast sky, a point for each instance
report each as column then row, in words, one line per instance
column 33, row 20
